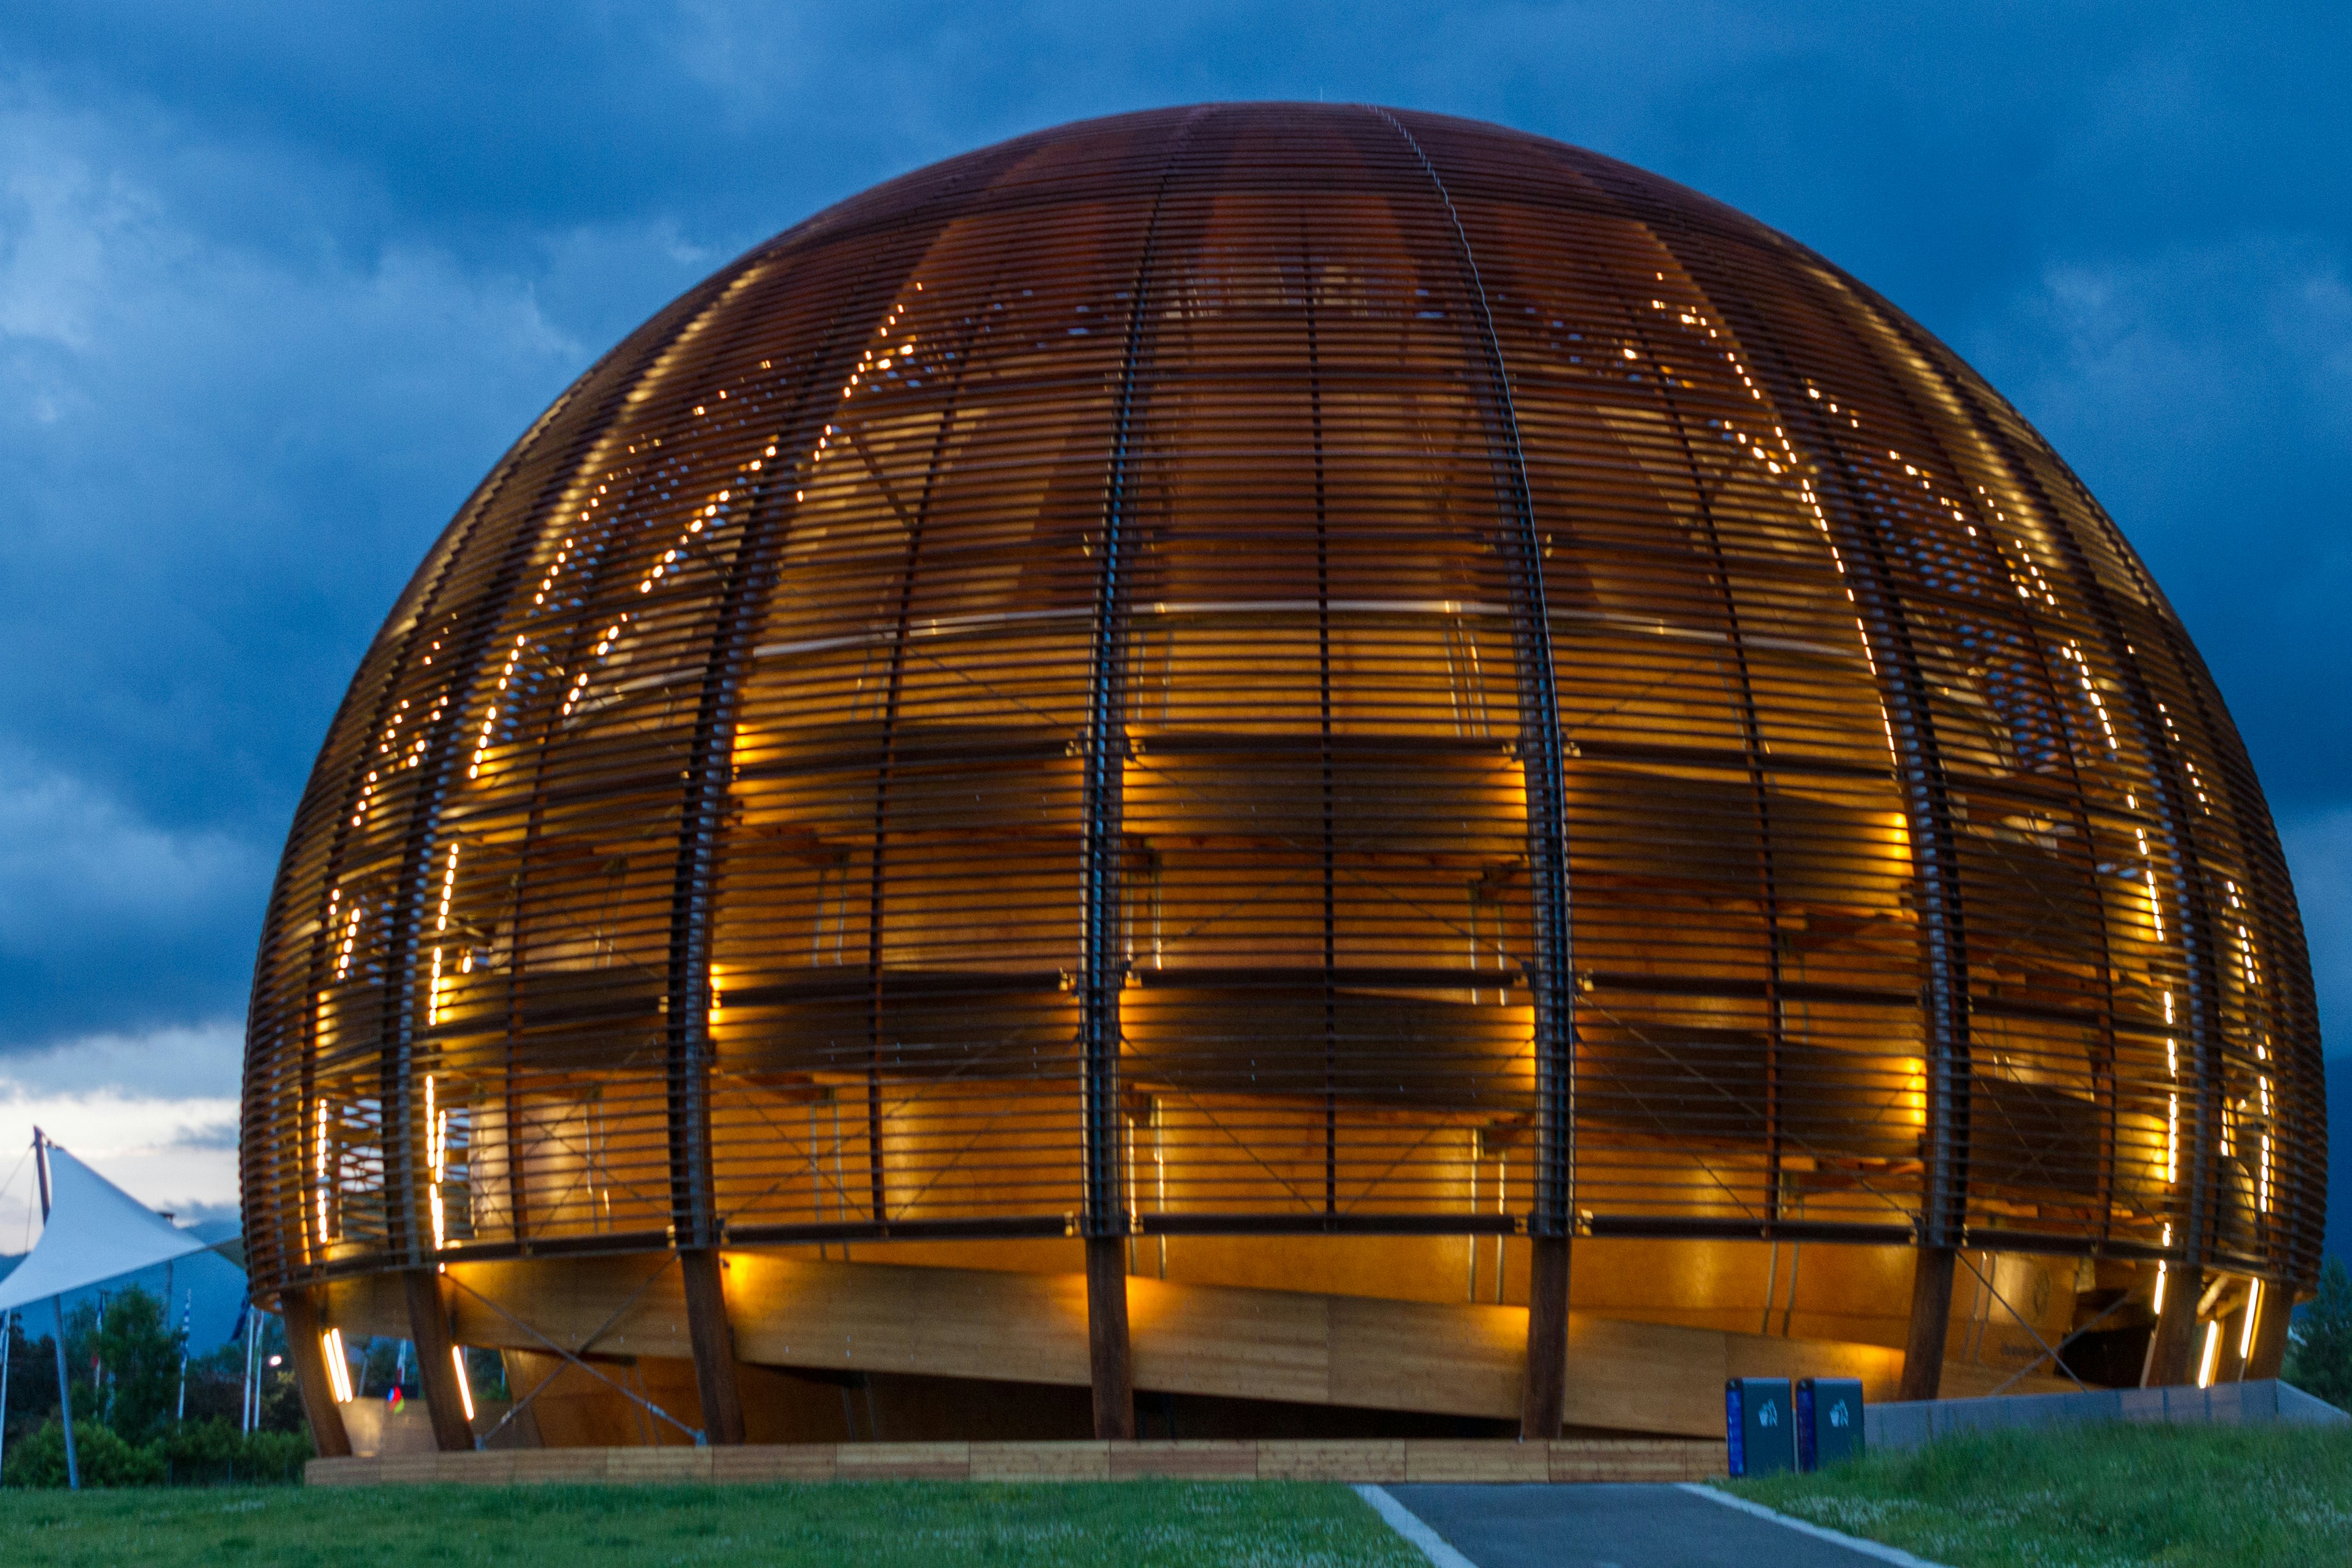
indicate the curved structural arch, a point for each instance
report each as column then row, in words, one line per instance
column 1264, row 705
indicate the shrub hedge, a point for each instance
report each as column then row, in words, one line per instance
column 194, row 1453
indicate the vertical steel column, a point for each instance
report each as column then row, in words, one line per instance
column 702, row 806
column 1918, row 768
column 428, row 1330
column 1105, row 745
column 1323, row 689
column 327, row 1433
column 1550, row 980
column 1949, row 1071
column 749, row 576
column 894, row 688
column 696, row 1229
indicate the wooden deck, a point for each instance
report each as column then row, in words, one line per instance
column 1368, row 1460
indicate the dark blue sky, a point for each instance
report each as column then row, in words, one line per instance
column 279, row 282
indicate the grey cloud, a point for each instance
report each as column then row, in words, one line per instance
column 211, row 1135
column 72, row 856
column 198, row 1061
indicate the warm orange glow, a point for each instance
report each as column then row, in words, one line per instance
column 1342, row 692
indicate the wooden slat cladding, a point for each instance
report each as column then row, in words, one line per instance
column 1013, row 711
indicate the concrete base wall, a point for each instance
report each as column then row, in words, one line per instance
column 1411, row 1459
column 1911, row 1424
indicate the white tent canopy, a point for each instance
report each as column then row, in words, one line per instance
column 95, row 1231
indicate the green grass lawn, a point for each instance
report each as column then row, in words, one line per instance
column 1107, row 1525
column 2095, row 1495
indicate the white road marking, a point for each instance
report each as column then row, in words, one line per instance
column 1895, row 1554
column 1402, row 1520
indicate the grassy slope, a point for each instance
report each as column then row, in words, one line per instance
column 1094, row 1526
column 2101, row 1495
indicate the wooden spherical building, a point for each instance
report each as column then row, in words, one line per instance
column 1243, row 752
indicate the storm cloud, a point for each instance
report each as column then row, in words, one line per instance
column 278, row 287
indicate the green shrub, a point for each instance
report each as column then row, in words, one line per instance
column 197, row 1454
column 103, row 1459
column 213, row 1453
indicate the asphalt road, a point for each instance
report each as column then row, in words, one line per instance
column 1613, row 1527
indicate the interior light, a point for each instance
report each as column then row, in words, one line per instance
column 2213, row 1349
column 2246, row 1335
column 464, row 1389
column 339, row 1371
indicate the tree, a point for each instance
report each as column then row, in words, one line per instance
column 32, row 1380
column 141, row 1355
column 2319, row 1356
column 217, row 1383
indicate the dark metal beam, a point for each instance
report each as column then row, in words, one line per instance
column 2176, row 822
column 1550, row 1216
column 1105, row 749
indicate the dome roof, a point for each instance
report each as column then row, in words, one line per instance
column 1164, row 674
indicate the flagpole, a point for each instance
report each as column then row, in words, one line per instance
column 187, row 1311
column 7, row 1342
column 64, row 1389
column 249, row 1401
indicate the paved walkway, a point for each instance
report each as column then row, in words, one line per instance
column 1613, row 1527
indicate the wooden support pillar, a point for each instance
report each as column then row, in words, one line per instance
column 714, row 1345
column 327, row 1433
column 1543, row 1400
column 2269, row 1330
column 2172, row 1358
column 1111, row 1355
column 1931, row 1322
column 437, row 1366
column 2271, row 1320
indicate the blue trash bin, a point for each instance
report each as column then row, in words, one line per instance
column 1829, row 1421
column 1760, row 1424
